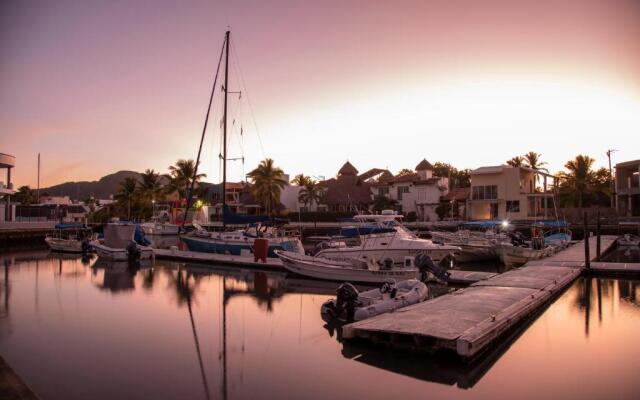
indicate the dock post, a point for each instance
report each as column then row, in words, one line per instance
column 587, row 258
column 598, row 245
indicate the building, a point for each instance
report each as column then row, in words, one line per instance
column 455, row 203
column 7, row 211
column 628, row 188
column 347, row 192
column 418, row 192
column 512, row 193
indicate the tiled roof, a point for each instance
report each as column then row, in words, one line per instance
column 424, row 164
column 348, row 169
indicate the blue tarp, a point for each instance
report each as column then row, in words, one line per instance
column 484, row 224
column 551, row 224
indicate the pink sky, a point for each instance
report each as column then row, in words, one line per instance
column 97, row 87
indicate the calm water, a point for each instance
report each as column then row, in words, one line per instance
column 90, row 330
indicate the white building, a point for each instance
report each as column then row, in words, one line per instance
column 419, row 192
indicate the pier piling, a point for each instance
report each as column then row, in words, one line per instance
column 598, row 244
column 587, row 258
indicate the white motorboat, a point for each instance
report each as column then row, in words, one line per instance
column 382, row 238
column 123, row 242
column 349, row 270
column 351, row 305
column 159, row 224
column 70, row 238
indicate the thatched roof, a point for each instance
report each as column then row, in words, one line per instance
column 348, row 169
column 347, row 190
column 424, row 165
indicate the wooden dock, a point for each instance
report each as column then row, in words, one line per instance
column 469, row 320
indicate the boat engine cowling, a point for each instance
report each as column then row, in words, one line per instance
column 346, row 300
column 133, row 253
column 426, row 265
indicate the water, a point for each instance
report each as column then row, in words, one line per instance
column 91, row 330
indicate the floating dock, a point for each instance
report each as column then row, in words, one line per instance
column 469, row 320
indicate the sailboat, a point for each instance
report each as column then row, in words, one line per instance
column 240, row 241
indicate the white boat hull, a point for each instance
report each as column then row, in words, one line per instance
column 323, row 268
column 151, row 228
column 114, row 254
column 64, row 245
column 515, row 255
column 397, row 255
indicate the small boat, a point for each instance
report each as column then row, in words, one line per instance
column 123, row 242
column 628, row 240
column 159, row 224
column 241, row 241
column 350, row 270
column 70, row 238
column 351, row 305
column 382, row 237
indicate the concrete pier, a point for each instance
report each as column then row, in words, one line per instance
column 469, row 320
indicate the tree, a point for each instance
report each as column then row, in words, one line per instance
column 180, row 176
column 532, row 160
column 457, row 178
column 578, row 180
column 126, row 194
column 405, row 171
column 25, row 195
column 309, row 193
column 384, row 203
column 150, row 187
column 301, row 180
column 516, row 161
column 268, row 181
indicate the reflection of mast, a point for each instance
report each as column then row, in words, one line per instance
column 188, row 296
column 6, row 288
column 224, row 337
column 588, row 307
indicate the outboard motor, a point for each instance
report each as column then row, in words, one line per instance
column 389, row 287
column 133, row 253
column 426, row 265
column 517, row 238
column 85, row 246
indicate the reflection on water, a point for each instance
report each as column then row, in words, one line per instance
column 623, row 254
column 78, row 329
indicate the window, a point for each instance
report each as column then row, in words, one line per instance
column 401, row 191
column 383, row 191
column 513, row 205
column 489, row 192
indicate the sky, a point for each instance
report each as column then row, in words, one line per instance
column 102, row 86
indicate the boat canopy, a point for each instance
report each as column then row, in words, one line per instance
column 551, row 223
column 71, row 225
column 483, row 224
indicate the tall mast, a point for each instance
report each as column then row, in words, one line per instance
column 224, row 122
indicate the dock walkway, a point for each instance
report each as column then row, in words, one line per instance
column 469, row 320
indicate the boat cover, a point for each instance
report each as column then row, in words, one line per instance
column 118, row 236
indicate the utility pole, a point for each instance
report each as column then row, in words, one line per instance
column 38, row 187
column 613, row 186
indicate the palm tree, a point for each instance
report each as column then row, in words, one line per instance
column 180, row 176
column 309, row 193
column 126, row 193
column 532, row 160
column 516, row 161
column 579, row 177
column 301, row 180
column 150, row 187
column 25, row 195
column 268, row 181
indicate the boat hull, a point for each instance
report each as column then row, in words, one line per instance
column 322, row 268
column 64, row 245
column 160, row 229
column 210, row 245
column 476, row 253
column 114, row 254
column 397, row 255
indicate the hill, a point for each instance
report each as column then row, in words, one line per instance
column 100, row 189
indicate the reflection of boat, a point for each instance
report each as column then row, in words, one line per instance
column 351, row 305
column 70, row 238
column 382, row 237
column 344, row 271
column 123, row 242
column 118, row 275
